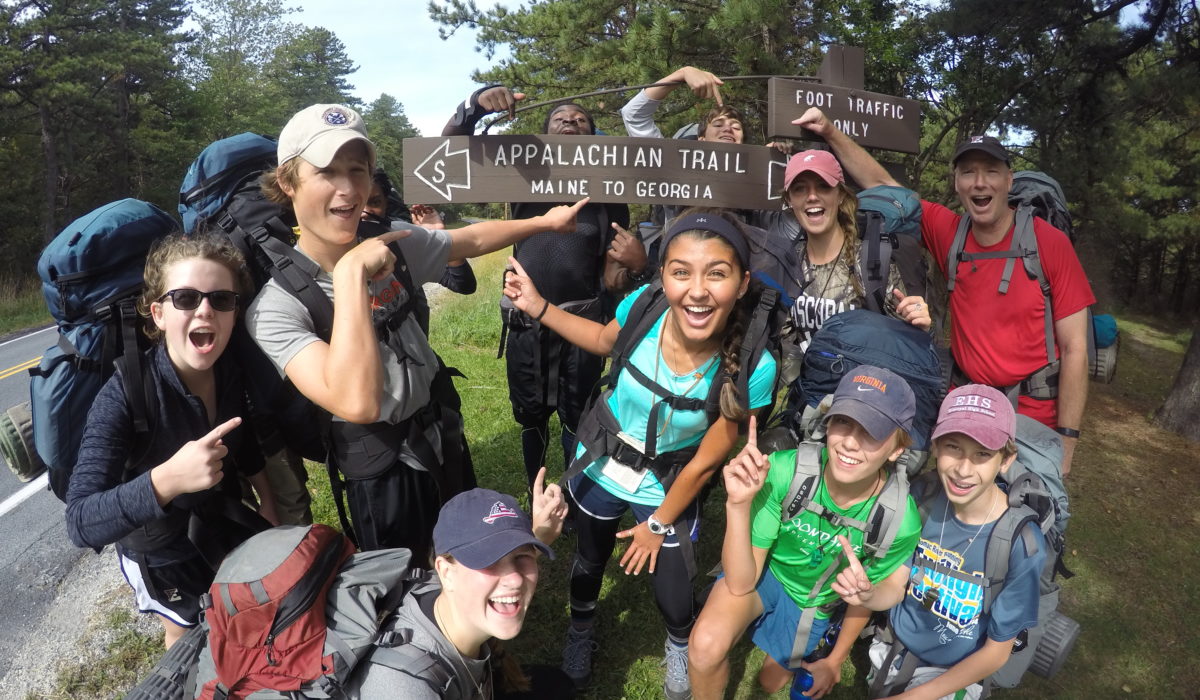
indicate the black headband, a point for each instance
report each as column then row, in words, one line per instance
column 713, row 223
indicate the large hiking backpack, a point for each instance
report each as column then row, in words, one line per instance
column 879, row 528
column 220, row 193
column 92, row 275
column 1037, row 194
column 221, row 190
column 1035, row 495
column 291, row 614
column 863, row 337
column 889, row 225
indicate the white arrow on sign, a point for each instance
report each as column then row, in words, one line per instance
column 775, row 172
column 437, row 179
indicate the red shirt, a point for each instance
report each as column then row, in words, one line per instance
column 1000, row 339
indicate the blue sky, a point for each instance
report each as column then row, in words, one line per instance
column 397, row 49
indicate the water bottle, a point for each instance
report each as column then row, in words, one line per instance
column 801, row 684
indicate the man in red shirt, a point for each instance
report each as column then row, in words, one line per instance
column 997, row 339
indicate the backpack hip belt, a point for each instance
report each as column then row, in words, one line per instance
column 1041, row 385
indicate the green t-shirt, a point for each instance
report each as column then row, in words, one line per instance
column 791, row 544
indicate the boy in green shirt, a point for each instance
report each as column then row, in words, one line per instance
column 775, row 571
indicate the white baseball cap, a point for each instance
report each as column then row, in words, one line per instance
column 316, row 133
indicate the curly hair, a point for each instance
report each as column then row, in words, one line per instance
column 178, row 247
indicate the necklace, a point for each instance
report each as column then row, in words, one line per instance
column 437, row 617
column 697, row 374
column 812, row 268
column 818, row 553
column 934, row 591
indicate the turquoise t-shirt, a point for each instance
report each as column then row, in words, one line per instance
column 631, row 404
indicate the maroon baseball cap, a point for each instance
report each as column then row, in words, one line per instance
column 820, row 162
column 981, row 413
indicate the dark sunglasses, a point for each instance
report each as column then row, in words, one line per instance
column 189, row 299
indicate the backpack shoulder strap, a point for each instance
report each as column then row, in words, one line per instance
column 956, row 249
column 138, row 385
column 999, row 548
column 1025, row 241
column 804, row 480
column 875, row 260
column 642, row 316
column 395, row 652
column 883, row 522
column 755, row 341
column 284, row 264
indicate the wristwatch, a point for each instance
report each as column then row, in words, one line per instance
column 656, row 527
column 1067, row 432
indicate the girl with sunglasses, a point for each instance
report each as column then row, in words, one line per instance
column 168, row 496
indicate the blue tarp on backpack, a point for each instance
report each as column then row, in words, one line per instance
column 863, row 337
column 220, row 171
column 91, row 276
column 1105, row 328
column 899, row 206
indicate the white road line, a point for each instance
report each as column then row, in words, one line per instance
column 38, row 484
column 27, row 335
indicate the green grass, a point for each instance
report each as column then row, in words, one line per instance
column 22, row 305
column 1136, row 506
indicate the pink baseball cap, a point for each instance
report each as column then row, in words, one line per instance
column 980, row 412
column 820, row 162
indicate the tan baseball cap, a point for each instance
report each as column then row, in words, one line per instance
column 316, row 133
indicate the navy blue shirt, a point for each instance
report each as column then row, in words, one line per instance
column 106, row 502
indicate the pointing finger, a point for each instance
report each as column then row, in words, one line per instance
column 214, row 436
column 516, row 266
column 539, row 483
column 855, row 565
column 389, row 236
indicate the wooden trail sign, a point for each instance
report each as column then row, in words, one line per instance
column 870, row 118
column 544, row 168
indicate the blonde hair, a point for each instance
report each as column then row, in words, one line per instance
column 287, row 174
column 177, row 248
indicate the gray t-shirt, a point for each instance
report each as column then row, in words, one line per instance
column 377, row 680
column 283, row 327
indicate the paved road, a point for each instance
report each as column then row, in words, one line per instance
column 35, row 554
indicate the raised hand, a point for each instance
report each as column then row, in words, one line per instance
column 549, row 509
column 702, row 83
column 426, row 216
column 627, row 250
column 562, row 217
column 520, row 288
column 815, row 121
column 194, row 467
column 913, row 309
column 373, row 255
column 852, row 583
column 747, row 471
column 500, row 99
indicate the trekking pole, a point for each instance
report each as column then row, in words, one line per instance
column 609, row 91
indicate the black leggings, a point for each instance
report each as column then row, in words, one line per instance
column 534, row 357
column 672, row 587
